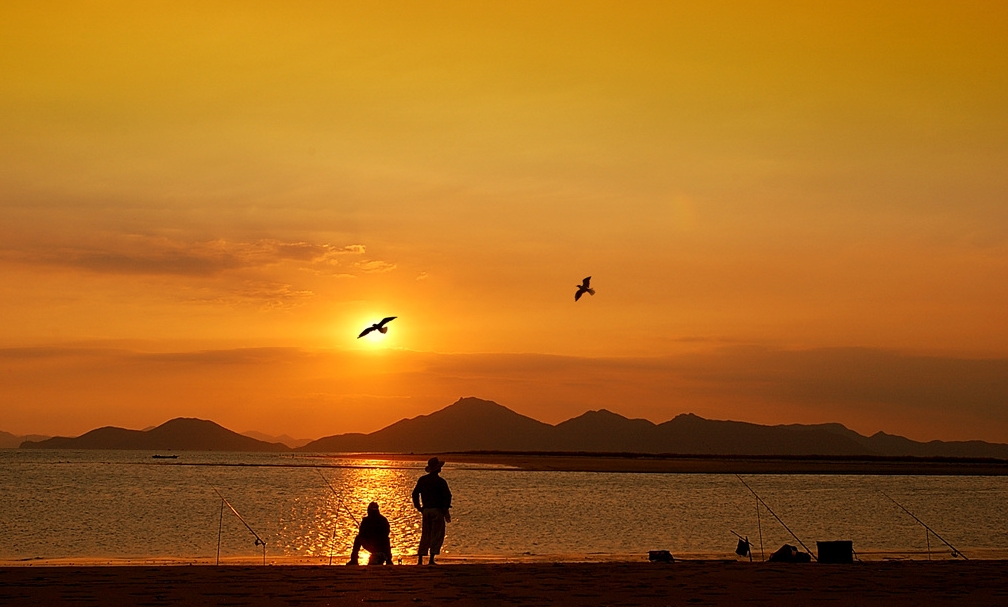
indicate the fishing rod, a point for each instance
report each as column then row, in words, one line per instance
column 332, row 539
column 259, row 540
column 340, row 496
column 955, row 551
column 797, row 539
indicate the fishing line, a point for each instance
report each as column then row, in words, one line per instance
column 339, row 503
column 797, row 539
column 259, row 541
column 955, row 551
column 340, row 496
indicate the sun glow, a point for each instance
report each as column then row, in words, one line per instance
column 203, row 208
column 375, row 339
column 382, row 337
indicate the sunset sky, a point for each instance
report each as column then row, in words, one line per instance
column 793, row 215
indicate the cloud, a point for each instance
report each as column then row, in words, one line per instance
column 154, row 255
column 264, row 295
column 374, row 266
column 867, row 390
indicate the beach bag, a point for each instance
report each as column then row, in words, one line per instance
column 789, row 554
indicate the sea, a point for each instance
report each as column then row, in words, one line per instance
column 203, row 507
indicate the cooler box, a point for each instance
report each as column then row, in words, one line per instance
column 841, row 551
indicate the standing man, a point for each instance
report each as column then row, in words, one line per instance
column 433, row 499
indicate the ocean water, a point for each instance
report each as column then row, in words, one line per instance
column 125, row 505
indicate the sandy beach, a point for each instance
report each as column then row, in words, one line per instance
column 892, row 584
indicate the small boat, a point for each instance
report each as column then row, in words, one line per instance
column 157, row 456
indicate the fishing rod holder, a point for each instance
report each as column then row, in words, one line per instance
column 220, row 529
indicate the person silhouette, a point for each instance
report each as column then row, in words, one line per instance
column 432, row 498
column 373, row 536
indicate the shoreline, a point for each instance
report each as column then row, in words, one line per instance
column 339, row 560
column 696, row 464
column 662, row 463
column 883, row 584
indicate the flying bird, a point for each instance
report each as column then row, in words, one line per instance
column 584, row 288
column 378, row 326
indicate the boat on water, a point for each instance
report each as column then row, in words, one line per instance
column 158, row 456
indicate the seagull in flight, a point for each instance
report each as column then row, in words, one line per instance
column 584, row 288
column 378, row 326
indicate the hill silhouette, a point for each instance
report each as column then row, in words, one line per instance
column 12, row 441
column 472, row 424
column 283, row 439
column 180, row 434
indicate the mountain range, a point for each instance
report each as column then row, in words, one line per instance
column 284, row 439
column 473, row 424
column 12, row 441
column 180, row 434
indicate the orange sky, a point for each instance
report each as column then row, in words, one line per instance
column 787, row 213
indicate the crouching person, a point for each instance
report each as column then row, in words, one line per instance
column 373, row 536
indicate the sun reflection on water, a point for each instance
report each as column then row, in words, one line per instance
column 85, row 504
column 339, row 510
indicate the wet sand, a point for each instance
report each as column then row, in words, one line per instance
column 889, row 584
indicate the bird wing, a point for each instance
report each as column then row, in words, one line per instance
column 365, row 332
column 584, row 283
column 385, row 320
column 578, row 295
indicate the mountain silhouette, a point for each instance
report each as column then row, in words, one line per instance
column 283, row 439
column 472, row 424
column 604, row 430
column 12, row 441
column 180, row 434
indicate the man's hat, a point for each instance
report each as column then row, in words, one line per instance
column 434, row 464
column 372, row 507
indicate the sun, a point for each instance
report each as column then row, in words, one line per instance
column 374, row 337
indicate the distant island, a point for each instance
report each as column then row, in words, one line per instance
column 180, row 434
column 476, row 425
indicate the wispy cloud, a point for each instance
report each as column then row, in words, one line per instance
column 263, row 295
column 374, row 266
column 155, row 255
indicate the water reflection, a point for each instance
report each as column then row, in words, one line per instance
column 303, row 515
column 344, row 504
column 123, row 505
